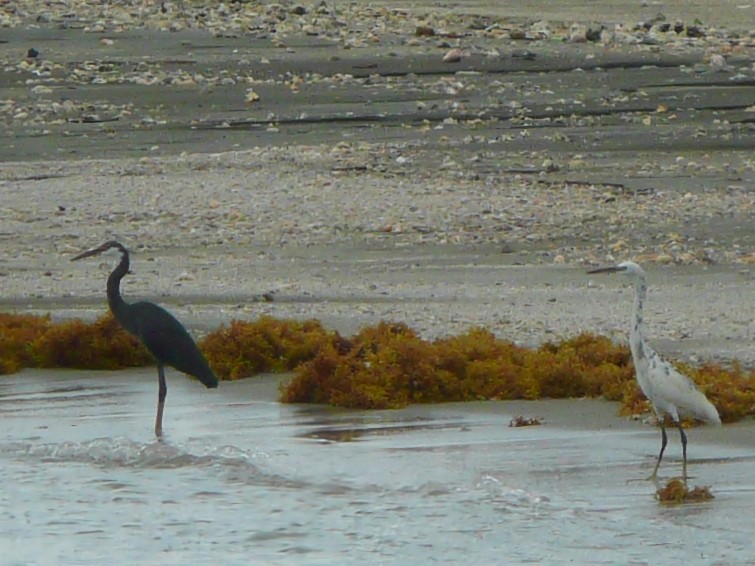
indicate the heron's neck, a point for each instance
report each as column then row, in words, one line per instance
column 114, row 299
column 637, row 333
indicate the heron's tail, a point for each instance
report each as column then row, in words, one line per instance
column 207, row 377
column 194, row 363
column 707, row 412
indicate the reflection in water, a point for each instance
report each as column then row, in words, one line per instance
column 349, row 434
column 242, row 482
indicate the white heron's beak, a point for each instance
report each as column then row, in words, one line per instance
column 612, row 269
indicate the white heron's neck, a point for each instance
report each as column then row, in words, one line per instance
column 637, row 334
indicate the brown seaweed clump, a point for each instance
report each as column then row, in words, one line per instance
column 17, row 335
column 102, row 344
column 676, row 492
column 389, row 366
column 35, row 341
column 267, row 345
column 383, row 367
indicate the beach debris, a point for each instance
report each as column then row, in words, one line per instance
column 521, row 420
column 676, row 492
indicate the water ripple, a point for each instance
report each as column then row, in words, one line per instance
column 125, row 453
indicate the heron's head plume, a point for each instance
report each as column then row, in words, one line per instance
column 112, row 244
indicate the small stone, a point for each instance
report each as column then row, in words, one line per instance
column 717, row 63
column 578, row 34
column 593, row 34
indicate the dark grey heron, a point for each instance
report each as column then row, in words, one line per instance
column 159, row 331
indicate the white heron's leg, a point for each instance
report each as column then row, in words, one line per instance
column 161, row 394
column 684, row 451
column 664, row 441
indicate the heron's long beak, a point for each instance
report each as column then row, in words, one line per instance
column 89, row 253
column 612, row 269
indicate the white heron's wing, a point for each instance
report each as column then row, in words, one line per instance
column 674, row 393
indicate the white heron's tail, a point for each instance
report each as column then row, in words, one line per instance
column 707, row 412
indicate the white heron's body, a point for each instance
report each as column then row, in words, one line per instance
column 668, row 390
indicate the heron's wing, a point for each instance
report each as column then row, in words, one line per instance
column 671, row 388
column 167, row 339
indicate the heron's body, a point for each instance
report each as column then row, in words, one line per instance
column 668, row 390
column 165, row 338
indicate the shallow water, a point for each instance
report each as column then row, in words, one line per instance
column 241, row 479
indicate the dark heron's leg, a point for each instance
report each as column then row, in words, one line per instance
column 684, row 451
column 664, row 441
column 161, row 394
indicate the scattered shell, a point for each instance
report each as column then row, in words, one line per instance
column 453, row 56
column 718, row 63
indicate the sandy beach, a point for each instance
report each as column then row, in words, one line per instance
column 328, row 157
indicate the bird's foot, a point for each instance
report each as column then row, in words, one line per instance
column 652, row 477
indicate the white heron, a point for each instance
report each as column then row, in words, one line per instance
column 670, row 392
